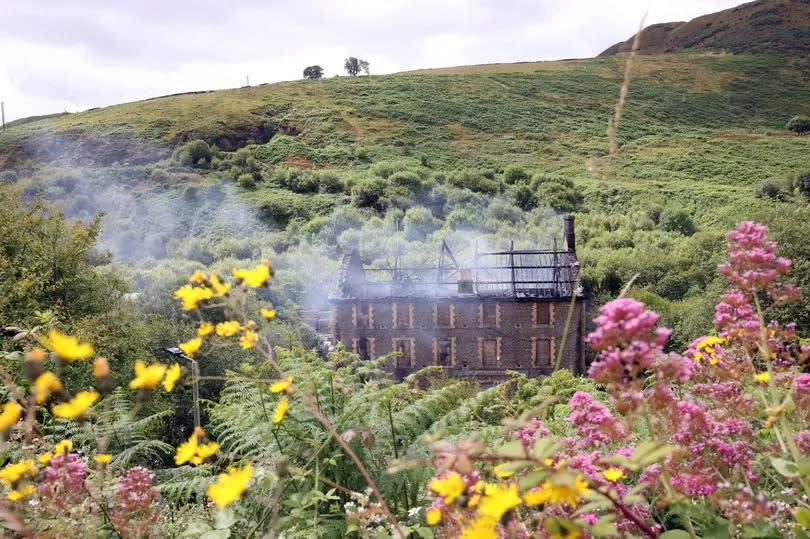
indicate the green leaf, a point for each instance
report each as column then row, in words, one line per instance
column 605, row 527
column 531, row 479
column 675, row 534
column 424, row 532
column 216, row 534
column 224, row 519
column 513, row 449
column 544, row 447
column 719, row 531
column 196, row 529
column 803, row 517
column 785, row 467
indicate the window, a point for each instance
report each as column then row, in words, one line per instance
column 405, row 349
column 489, row 315
column 402, row 315
column 362, row 348
column 543, row 352
column 541, row 314
column 443, row 315
column 363, row 316
column 489, row 352
column 443, row 356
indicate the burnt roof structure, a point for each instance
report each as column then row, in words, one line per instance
column 512, row 273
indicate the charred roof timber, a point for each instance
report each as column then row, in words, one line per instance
column 512, row 273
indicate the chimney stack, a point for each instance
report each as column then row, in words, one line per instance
column 568, row 230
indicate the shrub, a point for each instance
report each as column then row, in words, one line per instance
column 8, row 176
column 368, row 193
column 773, row 189
column 675, row 219
column 473, row 180
column 246, row 181
column 802, row 184
column 558, row 193
column 193, row 153
column 799, row 125
column 420, row 223
column 407, row 181
column 514, row 174
column 523, row 196
column 159, row 176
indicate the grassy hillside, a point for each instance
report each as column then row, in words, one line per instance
column 491, row 150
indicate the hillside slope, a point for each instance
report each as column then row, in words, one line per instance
column 759, row 26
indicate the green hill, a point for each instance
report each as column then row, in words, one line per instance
column 492, row 149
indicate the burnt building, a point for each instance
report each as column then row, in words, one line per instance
column 506, row 310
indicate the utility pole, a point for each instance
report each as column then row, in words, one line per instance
column 3, row 114
column 247, row 78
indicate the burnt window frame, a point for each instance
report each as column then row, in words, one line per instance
column 536, row 315
column 410, row 357
column 536, row 362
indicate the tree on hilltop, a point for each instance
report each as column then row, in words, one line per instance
column 798, row 124
column 353, row 66
column 313, row 72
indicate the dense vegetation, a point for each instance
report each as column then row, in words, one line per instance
column 294, row 172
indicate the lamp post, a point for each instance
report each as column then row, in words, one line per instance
column 195, row 373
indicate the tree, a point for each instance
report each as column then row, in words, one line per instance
column 353, row 66
column 798, row 124
column 313, row 72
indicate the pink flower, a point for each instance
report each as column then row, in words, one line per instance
column 531, row 433
column 594, row 422
column 63, row 482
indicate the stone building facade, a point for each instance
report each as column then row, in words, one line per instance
column 507, row 311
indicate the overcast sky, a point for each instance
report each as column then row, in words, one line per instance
column 73, row 55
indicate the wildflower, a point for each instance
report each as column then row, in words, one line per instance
column 567, row 492
column 482, row 527
column 67, row 347
column 76, row 407
column 281, row 385
column 101, row 367
column 220, row 289
column 205, row 329
column 764, row 376
column 230, row 485
column 198, row 277
column 281, row 410
column 45, row 384
column 566, row 533
column 102, row 458
column 11, row 473
column 475, row 494
column 172, row 376
column 36, row 354
column 63, row 480
column 269, row 314
column 191, row 346
column 229, row 328
column 186, row 450
column 65, row 446
column 500, row 472
column 613, row 474
column 10, row 415
column 19, row 494
column 248, row 339
column 45, row 458
column 134, row 493
column 433, row 516
column 498, row 499
column 254, row 277
column 450, row 486
column 147, row 377
column 204, row 451
column 191, row 296
column 594, row 422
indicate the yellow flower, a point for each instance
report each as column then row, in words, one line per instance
column 101, row 367
column 10, row 415
column 220, row 288
column 65, row 446
column 147, row 377
column 248, row 339
column 550, row 492
column 186, row 450
column 229, row 328
column 205, row 329
column 77, row 406
column 433, row 516
column 281, row 385
column 613, row 474
column 19, row 494
column 102, row 458
column 191, row 346
column 281, row 410
column 230, row 485
column 764, row 376
column 172, row 376
column 11, row 473
column 198, row 277
column 482, row 527
column 475, row 497
column 36, row 354
column 566, row 533
column 257, row 276
column 45, row 384
column 203, row 452
column 503, row 474
column 191, row 296
column 66, row 347
column 536, row 496
column 45, row 458
column 498, row 499
column 268, row 313
column 450, row 486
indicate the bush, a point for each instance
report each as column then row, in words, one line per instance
column 558, row 193
column 474, row 181
column 420, row 223
column 799, row 125
column 159, row 176
column 368, row 193
column 246, row 181
column 773, row 189
column 802, row 184
column 524, row 196
column 193, row 153
column 407, row 182
column 675, row 219
column 8, row 176
column 514, row 174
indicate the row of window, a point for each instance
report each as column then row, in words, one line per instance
column 444, row 351
column 444, row 316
